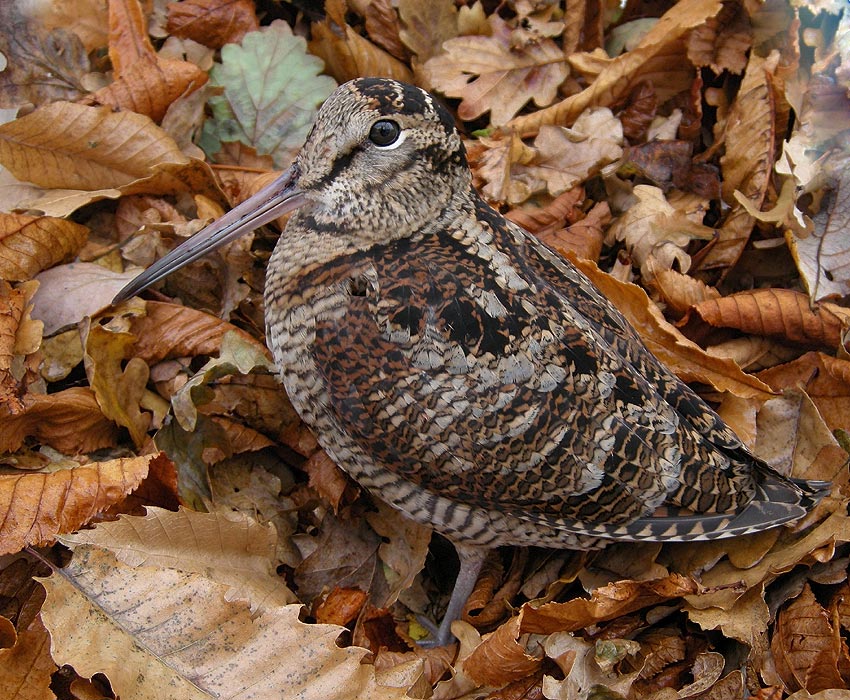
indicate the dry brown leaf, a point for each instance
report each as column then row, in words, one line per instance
column 679, row 291
column 128, row 36
column 685, row 358
column 65, row 145
column 659, row 58
column 502, row 657
column 427, row 25
column 605, row 603
column 346, row 54
column 781, row 313
column 150, row 86
column 825, row 379
column 383, row 27
column 212, row 23
column 326, row 478
column 20, row 336
column 341, row 607
column 30, row 244
column 27, row 666
column 723, row 41
column 210, row 648
column 36, row 507
column 118, row 385
column 170, row 330
column 805, row 646
column 497, row 73
column 70, row 421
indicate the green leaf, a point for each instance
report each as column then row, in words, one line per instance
column 272, row 89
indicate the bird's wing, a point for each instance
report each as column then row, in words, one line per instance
column 480, row 367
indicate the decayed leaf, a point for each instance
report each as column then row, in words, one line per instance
column 27, row 666
column 160, row 647
column 685, row 358
column 70, row 421
column 497, row 73
column 806, row 648
column 781, row 313
column 228, row 548
column 36, row 507
column 118, row 386
column 823, row 257
column 65, row 145
column 212, row 23
column 29, row 244
column 661, row 50
column 271, row 92
column 346, row 54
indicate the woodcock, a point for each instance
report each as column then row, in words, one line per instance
column 465, row 373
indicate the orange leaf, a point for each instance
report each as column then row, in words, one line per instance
column 128, row 35
column 69, row 421
column 777, row 312
column 30, row 244
column 150, row 85
column 37, row 507
column 212, row 23
column 502, row 657
column 19, row 336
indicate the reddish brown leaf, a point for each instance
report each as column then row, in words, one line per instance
column 341, row 606
column 37, row 507
column 503, row 657
column 212, row 23
column 69, row 421
column 30, row 244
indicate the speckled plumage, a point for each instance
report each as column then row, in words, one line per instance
column 468, row 375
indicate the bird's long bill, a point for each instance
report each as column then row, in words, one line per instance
column 278, row 198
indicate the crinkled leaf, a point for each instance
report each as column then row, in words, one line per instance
column 272, row 89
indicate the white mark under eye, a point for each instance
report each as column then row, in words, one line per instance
column 395, row 144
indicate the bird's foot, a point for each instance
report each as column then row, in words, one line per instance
column 438, row 636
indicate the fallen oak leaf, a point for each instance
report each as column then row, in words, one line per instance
column 491, row 73
column 36, row 507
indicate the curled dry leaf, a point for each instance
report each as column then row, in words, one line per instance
column 70, row 421
column 605, row 603
column 383, row 27
column 30, row 244
column 497, row 73
column 212, row 23
column 20, row 336
column 210, row 648
column 502, row 657
column 27, row 664
column 661, row 49
column 36, row 507
column 781, row 313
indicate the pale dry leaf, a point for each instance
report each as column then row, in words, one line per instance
column 491, row 73
column 187, row 642
column 228, row 548
column 36, row 507
column 30, row 244
column 427, row 25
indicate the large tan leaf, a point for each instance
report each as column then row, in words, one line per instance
column 229, row 548
column 497, row 73
column 187, row 642
column 685, row 358
column 29, row 244
column 69, row 421
column 36, row 507
column 660, row 57
column 72, row 146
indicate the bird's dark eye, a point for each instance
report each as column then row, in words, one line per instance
column 384, row 132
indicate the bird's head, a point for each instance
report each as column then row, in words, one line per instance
column 383, row 156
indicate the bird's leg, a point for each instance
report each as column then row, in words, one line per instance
column 471, row 559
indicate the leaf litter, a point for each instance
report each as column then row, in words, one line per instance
column 690, row 157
